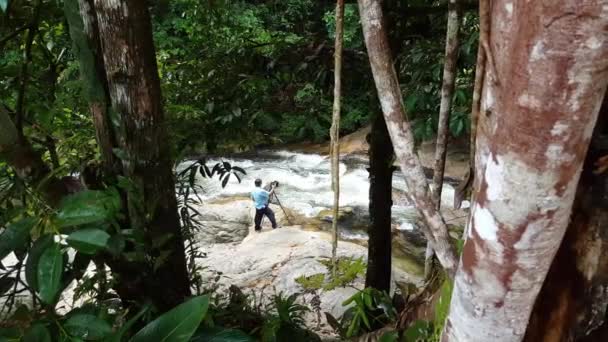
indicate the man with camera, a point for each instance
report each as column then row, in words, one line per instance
column 261, row 199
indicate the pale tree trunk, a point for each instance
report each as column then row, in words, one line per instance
column 335, row 130
column 134, row 86
column 378, row 274
column 447, row 93
column 572, row 303
column 389, row 94
column 539, row 107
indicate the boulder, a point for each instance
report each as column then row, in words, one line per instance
column 268, row 262
column 224, row 222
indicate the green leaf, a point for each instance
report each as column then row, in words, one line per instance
column 31, row 266
column 6, row 283
column 50, row 269
column 236, row 168
column 176, row 325
column 87, row 207
column 220, row 335
column 390, row 336
column 3, row 4
column 88, row 327
column 37, row 333
column 225, row 181
column 419, row 330
column 15, row 236
column 88, row 241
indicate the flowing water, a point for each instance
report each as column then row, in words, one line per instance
column 305, row 184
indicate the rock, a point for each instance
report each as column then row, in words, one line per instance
column 224, row 222
column 344, row 214
column 268, row 262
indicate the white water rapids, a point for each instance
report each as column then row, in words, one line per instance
column 305, row 183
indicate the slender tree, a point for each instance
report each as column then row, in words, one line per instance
column 335, row 129
column 539, row 106
column 389, row 94
column 447, row 93
column 381, row 169
column 445, row 109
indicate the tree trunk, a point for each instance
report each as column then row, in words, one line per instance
column 400, row 131
column 447, row 93
column 335, row 130
column 540, row 105
column 84, row 32
column 131, row 70
column 27, row 162
column 572, row 302
column 381, row 170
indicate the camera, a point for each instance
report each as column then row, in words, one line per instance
column 275, row 183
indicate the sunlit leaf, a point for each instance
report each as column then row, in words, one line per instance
column 176, row 325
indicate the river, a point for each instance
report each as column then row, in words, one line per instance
column 305, row 184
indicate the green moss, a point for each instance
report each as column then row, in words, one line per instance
column 347, row 272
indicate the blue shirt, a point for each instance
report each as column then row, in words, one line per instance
column 260, row 197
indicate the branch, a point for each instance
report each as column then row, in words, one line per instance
column 13, row 34
column 31, row 33
column 391, row 100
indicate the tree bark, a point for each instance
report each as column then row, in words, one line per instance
column 84, row 31
column 131, row 70
column 400, row 131
column 538, row 120
column 445, row 109
column 335, row 130
column 27, row 162
column 572, row 302
column 381, row 170
column 447, row 93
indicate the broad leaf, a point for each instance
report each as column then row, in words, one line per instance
column 37, row 333
column 31, row 266
column 88, row 327
column 15, row 236
column 220, row 335
column 176, row 325
column 50, row 269
column 89, row 240
column 88, row 207
column 6, row 283
column 226, row 179
column 236, row 168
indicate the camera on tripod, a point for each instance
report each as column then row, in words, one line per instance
column 275, row 184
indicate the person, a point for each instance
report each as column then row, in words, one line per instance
column 261, row 200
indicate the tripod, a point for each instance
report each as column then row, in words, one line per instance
column 281, row 206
